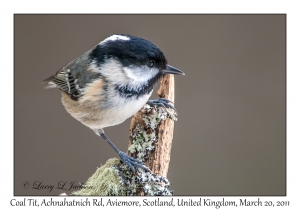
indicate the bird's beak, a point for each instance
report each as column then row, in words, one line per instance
column 172, row 70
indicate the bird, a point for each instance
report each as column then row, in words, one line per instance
column 111, row 82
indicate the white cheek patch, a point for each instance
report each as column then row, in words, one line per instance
column 114, row 38
column 140, row 74
column 132, row 75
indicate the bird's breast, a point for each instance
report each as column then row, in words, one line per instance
column 124, row 108
column 98, row 113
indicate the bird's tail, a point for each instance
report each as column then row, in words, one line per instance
column 48, row 83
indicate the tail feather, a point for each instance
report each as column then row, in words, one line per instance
column 49, row 83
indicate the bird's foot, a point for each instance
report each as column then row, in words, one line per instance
column 162, row 102
column 131, row 162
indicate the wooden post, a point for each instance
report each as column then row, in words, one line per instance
column 159, row 158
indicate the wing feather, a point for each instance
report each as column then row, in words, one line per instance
column 63, row 80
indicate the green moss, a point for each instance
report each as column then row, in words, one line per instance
column 103, row 182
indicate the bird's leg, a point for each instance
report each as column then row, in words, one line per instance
column 130, row 161
column 163, row 102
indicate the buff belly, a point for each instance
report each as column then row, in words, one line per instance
column 89, row 113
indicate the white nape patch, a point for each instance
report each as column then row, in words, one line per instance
column 114, row 38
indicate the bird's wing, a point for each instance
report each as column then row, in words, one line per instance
column 70, row 77
column 63, row 79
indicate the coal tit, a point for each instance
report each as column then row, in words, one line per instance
column 111, row 82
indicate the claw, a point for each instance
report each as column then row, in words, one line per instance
column 166, row 100
column 172, row 107
column 131, row 162
column 163, row 102
column 135, row 160
column 131, row 166
column 143, row 167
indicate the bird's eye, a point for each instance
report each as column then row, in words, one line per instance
column 151, row 63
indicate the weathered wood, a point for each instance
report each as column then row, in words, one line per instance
column 159, row 158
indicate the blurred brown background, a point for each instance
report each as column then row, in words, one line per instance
column 230, row 138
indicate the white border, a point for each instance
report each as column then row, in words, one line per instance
column 8, row 8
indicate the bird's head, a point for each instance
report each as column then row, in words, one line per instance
column 127, row 59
